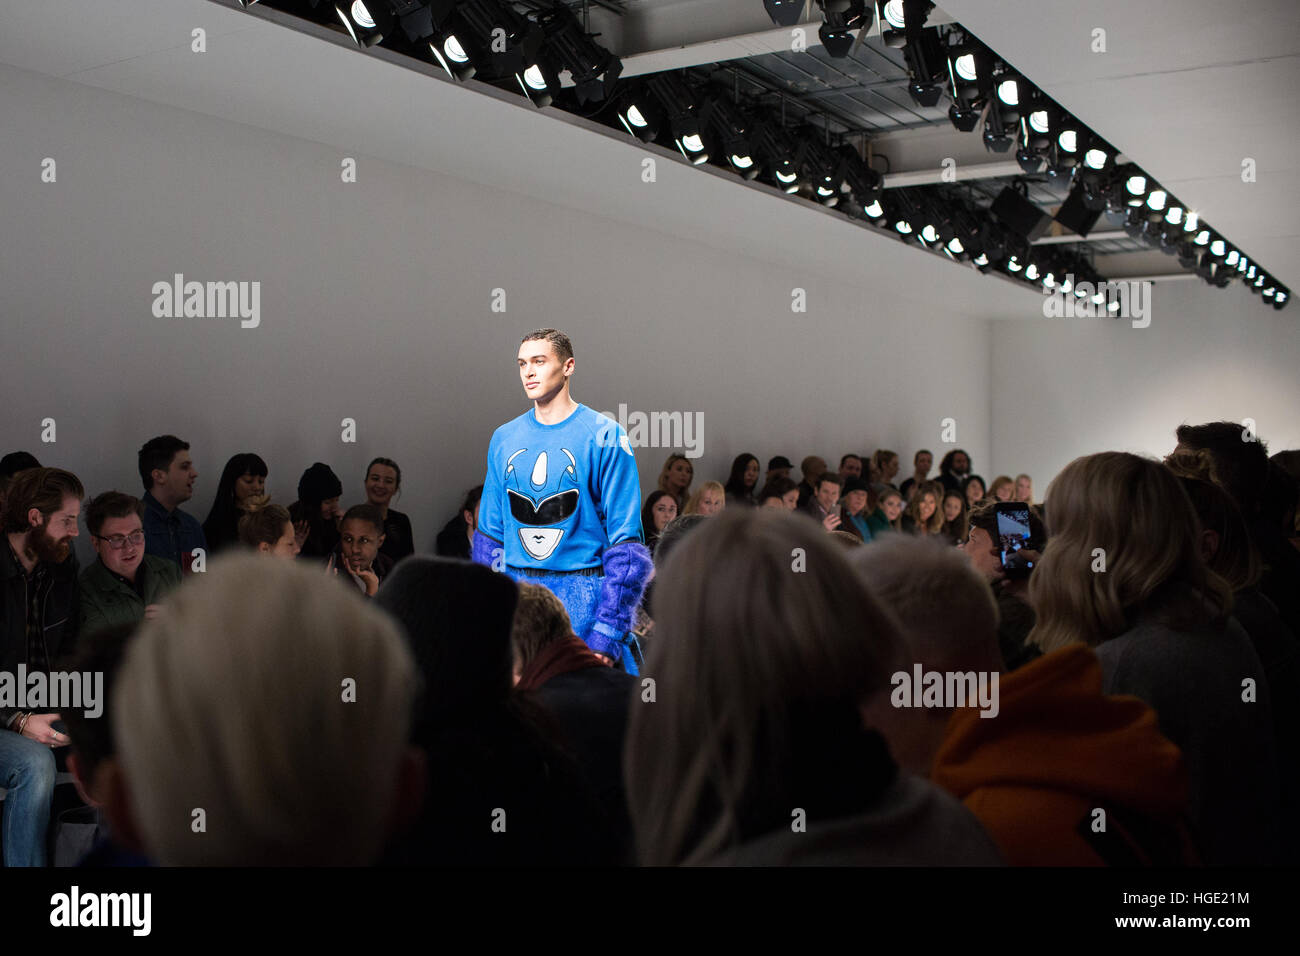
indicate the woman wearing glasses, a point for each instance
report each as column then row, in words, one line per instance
column 125, row 585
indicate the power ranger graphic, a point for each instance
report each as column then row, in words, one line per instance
column 561, row 507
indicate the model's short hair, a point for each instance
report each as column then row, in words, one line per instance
column 111, row 504
column 41, row 488
column 264, row 525
column 158, row 453
column 540, row 619
column 557, row 339
column 237, row 701
column 366, row 512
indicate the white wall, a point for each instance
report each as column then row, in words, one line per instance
column 375, row 305
column 1069, row 387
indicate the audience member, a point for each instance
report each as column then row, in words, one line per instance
column 955, row 516
column 359, row 554
column 10, row 465
column 778, row 467
column 269, row 530
column 1024, row 489
column 316, row 513
column 231, row 702
column 659, row 509
column 709, row 499
column 501, row 791
column 973, row 488
column 586, row 696
column 922, row 462
column 1015, row 616
column 811, row 468
column 168, row 473
column 676, row 478
column 850, row 467
column 853, row 509
column 241, row 489
column 762, row 676
column 38, row 614
column 779, row 492
column 824, row 507
column 1158, row 619
column 125, row 585
column 886, row 516
column 923, row 516
column 1003, row 488
column 885, row 463
column 954, row 469
column 383, row 485
column 1055, row 749
column 454, row 540
column 742, row 483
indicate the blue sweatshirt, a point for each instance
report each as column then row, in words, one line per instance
column 556, row 496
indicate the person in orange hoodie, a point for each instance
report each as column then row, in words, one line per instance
column 1058, row 773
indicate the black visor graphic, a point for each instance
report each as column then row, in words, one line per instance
column 551, row 511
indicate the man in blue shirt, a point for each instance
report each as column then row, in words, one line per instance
column 561, row 503
column 168, row 474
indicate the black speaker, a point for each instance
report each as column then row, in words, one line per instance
column 1074, row 213
column 1018, row 214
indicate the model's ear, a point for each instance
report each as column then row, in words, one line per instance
column 568, row 366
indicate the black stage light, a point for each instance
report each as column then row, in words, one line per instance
column 367, row 21
column 784, row 13
column 683, row 115
column 824, row 169
column 641, row 114
column 593, row 68
column 727, row 133
column 840, row 18
column 865, row 184
column 776, row 155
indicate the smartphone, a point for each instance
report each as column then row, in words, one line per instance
column 1015, row 536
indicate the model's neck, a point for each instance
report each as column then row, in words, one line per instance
column 556, row 409
column 25, row 556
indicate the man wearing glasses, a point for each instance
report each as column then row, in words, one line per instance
column 38, row 624
column 125, row 585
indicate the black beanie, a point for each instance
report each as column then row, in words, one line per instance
column 319, row 483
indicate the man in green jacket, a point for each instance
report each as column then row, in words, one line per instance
column 125, row 585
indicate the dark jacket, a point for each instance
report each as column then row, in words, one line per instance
column 172, row 536
column 399, row 540
column 59, row 610
column 107, row 600
column 453, row 540
column 1015, row 621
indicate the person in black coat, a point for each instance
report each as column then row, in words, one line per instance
column 242, row 489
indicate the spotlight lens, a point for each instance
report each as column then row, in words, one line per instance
column 894, row 14
column 1136, row 185
column 874, row 210
column 1038, row 121
column 1175, row 215
column 1098, row 298
column 981, row 260
column 964, row 65
column 1114, row 306
column 634, row 116
column 1013, row 264
column 1250, row 273
column 1095, row 158
column 741, row 162
column 1193, row 220
column 1217, row 247
column 955, row 247
column 454, row 50
column 825, row 191
column 361, row 15
column 1068, row 140
column 1281, row 297
column 1067, row 285
column 533, row 77
column 787, row 178
column 1269, row 292
column 930, row 234
column 903, row 226
column 693, row 142
column 1202, row 237
column 1031, row 272
column 1049, row 280
column 1009, row 92
column 1259, row 282
column 1157, row 200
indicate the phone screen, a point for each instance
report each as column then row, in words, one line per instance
column 1013, row 535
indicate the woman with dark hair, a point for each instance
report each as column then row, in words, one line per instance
column 383, row 485
column 956, row 517
column 501, row 792
column 973, row 490
column 242, row 488
column 454, row 539
column 660, row 508
column 887, row 515
column 779, row 492
column 743, row 480
column 316, row 513
column 769, row 673
column 923, row 516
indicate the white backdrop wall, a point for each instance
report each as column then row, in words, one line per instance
column 1069, row 387
column 376, row 305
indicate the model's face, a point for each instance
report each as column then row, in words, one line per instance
column 381, row 484
column 855, row 501
column 925, row 510
column 924, row 462
column 177, row 482
column 751, row 473
column 974, row 493
column 828, row 493
column 1024, row 489
column 712, row 501
column 979, row 548
column 664, row 511
column 960, row 464
column 129, row 533
column 359, row 540
column 852, row 468
column 951, row 508
column 892, row 506
column 791, row 499
column 541, row 371
column 285, row 547
column 249, row 486
column 681, row 474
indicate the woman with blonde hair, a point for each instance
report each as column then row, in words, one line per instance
column 1024, row 489
column 1123, row 573
column 885, row 464
column 676, row 478
column 1002, row 488
column 763, row 675
column 923, row 515
column 709, row 499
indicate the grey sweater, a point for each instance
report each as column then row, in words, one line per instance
column 1193, row 680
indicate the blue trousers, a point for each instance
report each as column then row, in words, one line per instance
column 27, row 773
column 580, row 595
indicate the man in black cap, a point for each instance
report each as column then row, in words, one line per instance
column 316, row 513
column 778, row 467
